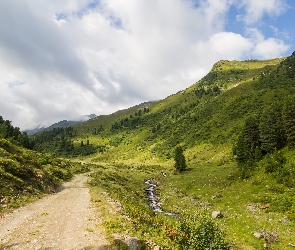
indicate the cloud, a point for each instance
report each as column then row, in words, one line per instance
column 270, row 48
column 63, row 59
column 255, row 9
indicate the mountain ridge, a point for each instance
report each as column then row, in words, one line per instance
column 60, row 124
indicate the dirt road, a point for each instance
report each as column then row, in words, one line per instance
column 62, row 221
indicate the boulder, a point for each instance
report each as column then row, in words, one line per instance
column 134, row 243
column 258, row 235
column 217, row 214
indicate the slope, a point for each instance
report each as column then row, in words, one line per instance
column 210, row 112
column 26, row 175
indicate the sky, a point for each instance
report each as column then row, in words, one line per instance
column 62, row 59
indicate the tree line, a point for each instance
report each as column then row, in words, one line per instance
column 7, row 131
column 58, row 141
column 272, row 130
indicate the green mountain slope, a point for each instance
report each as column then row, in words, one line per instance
column 206, row 119
column 210, row 112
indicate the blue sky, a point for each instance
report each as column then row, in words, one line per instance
column 64, row 59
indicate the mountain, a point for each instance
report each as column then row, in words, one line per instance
column 61, row 124
column 211, row 112
column 236, row 127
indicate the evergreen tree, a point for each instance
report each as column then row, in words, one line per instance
column 248, row 141
column 271, row 135
column 289, row 120
column 180, row 162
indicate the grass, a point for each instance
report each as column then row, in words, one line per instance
column 203, row 188
column 26, row 175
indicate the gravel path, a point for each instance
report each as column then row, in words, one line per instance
column 62, row 221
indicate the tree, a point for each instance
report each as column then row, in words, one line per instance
column 271, row 134
column 248, row 141
column 247, row 147
column 289, row 120
column 180, row 162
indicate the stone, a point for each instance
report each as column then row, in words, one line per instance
column 157, row 248
column 134, row 243
column 252, row 207
column 217, row 214
column 258, row 235
column 285, row 221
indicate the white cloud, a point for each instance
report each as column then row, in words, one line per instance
column 229, row 45
column 255, row 9
column 63, row 59
column 270, row 48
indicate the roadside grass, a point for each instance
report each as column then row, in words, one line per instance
column 26, row 175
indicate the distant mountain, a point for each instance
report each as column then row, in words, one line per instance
column 61, row 124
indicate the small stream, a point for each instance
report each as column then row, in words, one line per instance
column 153, row 198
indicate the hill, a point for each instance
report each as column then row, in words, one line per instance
column 241, row 107
column 211, row 112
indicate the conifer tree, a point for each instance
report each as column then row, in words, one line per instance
column 270, row 128
column 289, row 120
column 180, row 162
column 248, row 141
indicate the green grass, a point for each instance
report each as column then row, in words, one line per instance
column 202, row 189
column 26, row 175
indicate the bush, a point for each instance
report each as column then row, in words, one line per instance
column 57, row 172
column 199, row 234
column 281, row 204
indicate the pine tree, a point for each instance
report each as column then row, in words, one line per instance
column 248, row 141
column 289, row 120
column 271, row 135
column 180, row 162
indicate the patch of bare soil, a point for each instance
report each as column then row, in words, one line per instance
column 65, row 220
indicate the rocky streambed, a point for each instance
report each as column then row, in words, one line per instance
column 153, row 198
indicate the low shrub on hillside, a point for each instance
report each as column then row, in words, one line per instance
column 199, row 234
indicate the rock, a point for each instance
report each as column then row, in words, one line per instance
column 134, row 243
column 157, row 248
column 258, row 235
column 252, row 207
column 217, row 214
column 285, row 221
column 205, row 204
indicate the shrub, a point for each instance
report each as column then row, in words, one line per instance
column 199, row 234
column 281, row 204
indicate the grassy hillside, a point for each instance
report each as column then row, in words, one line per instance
column 208, row 114
column 206, row 120
column 26, row 175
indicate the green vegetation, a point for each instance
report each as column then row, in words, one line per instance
column 7, row 131
column 236, row 131
column 180, row 162
column 200, row 233
column 26, row 175
column 59, row 143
